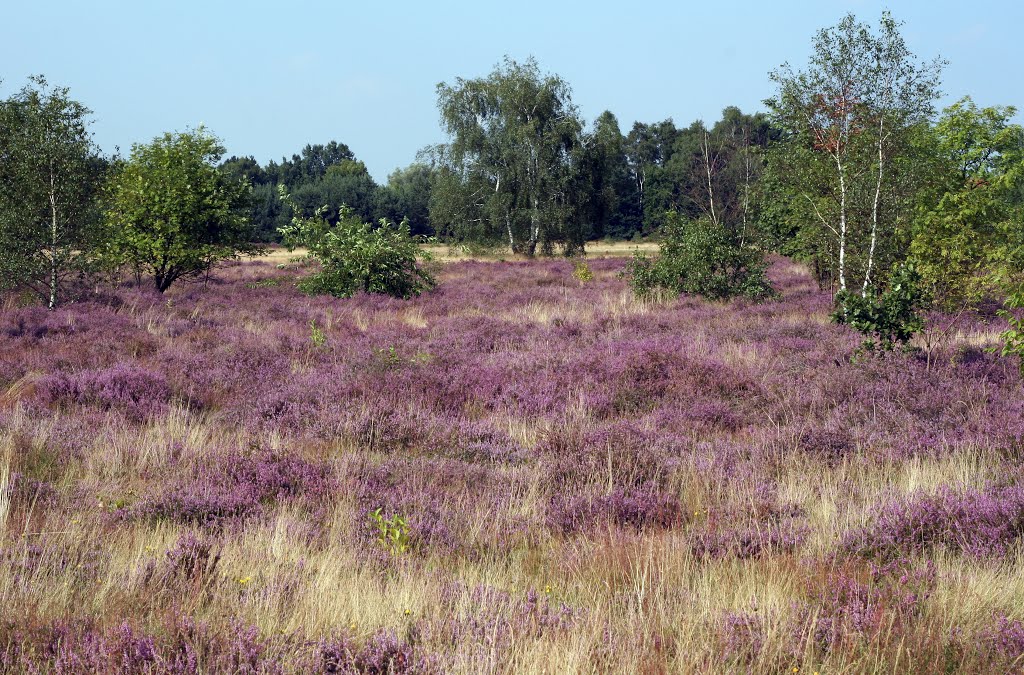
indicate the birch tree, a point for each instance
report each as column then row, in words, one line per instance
column 508, row 170
column 50, row 171
column 848, row 120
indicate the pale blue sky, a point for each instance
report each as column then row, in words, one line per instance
column 270, row 77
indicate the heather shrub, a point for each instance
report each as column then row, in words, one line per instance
column 831, row 445
column 701, row 257
column 236, row 486
column 977, row 523
column 270, row 475
column 747, row 541
column 742, row 636
column 480, row 621
column 384, row 653
column 180, row 646
column 639, row 508
column 191, row 558
column 620, row 454
column 852, row 607
column 137, row 392
column 202, row 504
column 20, row 489
column 1006, row 637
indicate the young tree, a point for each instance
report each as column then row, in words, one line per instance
column 354, row 256
column 50, row 172
column 173, row 214
column 507, row 172
column 967, row 237
column 700, row 256
column 849, row 120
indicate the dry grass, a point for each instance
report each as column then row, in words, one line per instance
column 648, row 585
column 278, row 255
column 645, row 602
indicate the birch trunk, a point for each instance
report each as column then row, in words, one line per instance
column 707, row 168
column 874, row 208
column 53, row 241
column 842, row 222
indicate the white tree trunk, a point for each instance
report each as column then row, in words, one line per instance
column 705, row 147
column 746, row 186
column 53, row 241
column 842, row 222
column 874, row 209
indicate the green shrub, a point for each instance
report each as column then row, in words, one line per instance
column 701, row 257
column 1013, row 337
column 582, row 272
column 392, row 532
column 889, row 319
column 355, row 256
column 317, row 335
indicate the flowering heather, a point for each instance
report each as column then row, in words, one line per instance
column 889, row 599
column 580, row 481
column 137, row 392
column 979, row 523
column 639, row 508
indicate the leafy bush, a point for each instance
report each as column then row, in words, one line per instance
column 702, row 257
column 582, row 272
column 1013, row 337
column 355, row 256
column 392, row 532
column 890, row 318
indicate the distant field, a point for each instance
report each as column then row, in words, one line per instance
column 453, row 254
column 515, row 473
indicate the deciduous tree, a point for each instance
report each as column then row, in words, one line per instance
column 849, row 119
column 173, row 213
column 50, row 172
column 969, row 231
column 507, row 173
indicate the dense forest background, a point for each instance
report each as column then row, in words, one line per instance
column 632, row 179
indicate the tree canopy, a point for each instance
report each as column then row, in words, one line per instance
column 506, row 176
column 50, row 173
column 172, row 213
column 848, row 163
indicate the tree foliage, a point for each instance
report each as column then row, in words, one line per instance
column 1013, row 336
column 50, row 173
column 407, row 195
column 354, row 256
column 702, row 257
column 173, row 214
column 967, row 236
column 506, row 176
column 848, row 165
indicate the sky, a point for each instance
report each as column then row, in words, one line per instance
column 268, row 78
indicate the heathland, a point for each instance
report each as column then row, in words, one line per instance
column 520, row 471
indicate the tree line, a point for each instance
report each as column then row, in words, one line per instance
column 522, row 170
column 851, row 168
